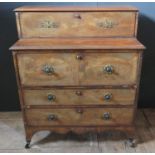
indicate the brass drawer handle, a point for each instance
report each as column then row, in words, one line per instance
column 79, row 110
column 109, row 69
column 79, row 57
column 52, row 117
column 78, row 93
column 106, row 116
column 51, row 97
column 107, row 24
column 107, row 96
column 49, row 24
column 78, row 16
column 48, row 69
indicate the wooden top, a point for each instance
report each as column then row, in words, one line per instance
column 73, row 8
column 81, row 43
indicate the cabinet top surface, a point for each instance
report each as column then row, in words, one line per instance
column 73, row 8
column 82, row 43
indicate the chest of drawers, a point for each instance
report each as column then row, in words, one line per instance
column 77, row 68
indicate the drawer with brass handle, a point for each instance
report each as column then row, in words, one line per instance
column 108, row 68
column 84, row 68
column 79, row 117
column 105, row 115
column 79, row 97
column 48, row 69
column 77, row 24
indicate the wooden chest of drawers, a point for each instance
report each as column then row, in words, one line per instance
column 77, row 69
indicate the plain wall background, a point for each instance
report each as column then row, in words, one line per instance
column 8, row 35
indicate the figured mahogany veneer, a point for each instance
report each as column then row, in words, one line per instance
column 78, row 24
column 93, row 22
column 87, row 71
column 79, row 97
column 77, row 68
column 75, row 117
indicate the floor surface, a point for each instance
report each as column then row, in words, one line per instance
column 12, row 137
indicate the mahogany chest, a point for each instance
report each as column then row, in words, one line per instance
column 77, row 68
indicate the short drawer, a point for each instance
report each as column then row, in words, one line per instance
column 48, row 69
column 80, row 117
column 108, row 68
column 77, row 24
column 79, row 97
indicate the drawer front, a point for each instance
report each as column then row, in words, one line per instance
column 47, row 69
column 108, row 96
column 108, row 69
column 65, row 69
column 50, row 97
column 77, row 24
column 79, row 97
column 80, row 117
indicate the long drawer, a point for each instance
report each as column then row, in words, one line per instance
column 79, row 97
column 84, row 68
column 77, row 24
column 79, row 117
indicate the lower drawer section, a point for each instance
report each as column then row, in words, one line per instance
column 79, row 116
column 79, row 97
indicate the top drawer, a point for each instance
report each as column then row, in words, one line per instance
column 77, row 24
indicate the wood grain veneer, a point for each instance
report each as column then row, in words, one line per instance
column 93, row 64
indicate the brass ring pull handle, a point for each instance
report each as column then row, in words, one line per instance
column 106, row 116
column 51, row 97
column 52, row 117
column 78, row 16
column 108, row 96
column 78, row 93
column 79, row 57
column 48, row 69
column 109, row 69
column 79, row 110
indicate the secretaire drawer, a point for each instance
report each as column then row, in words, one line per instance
column 79, row 117
column 85, row 68
column 79, row 97
column 77, row 24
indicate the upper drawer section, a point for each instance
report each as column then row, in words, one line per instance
column 80, row 23
column 87, row 67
